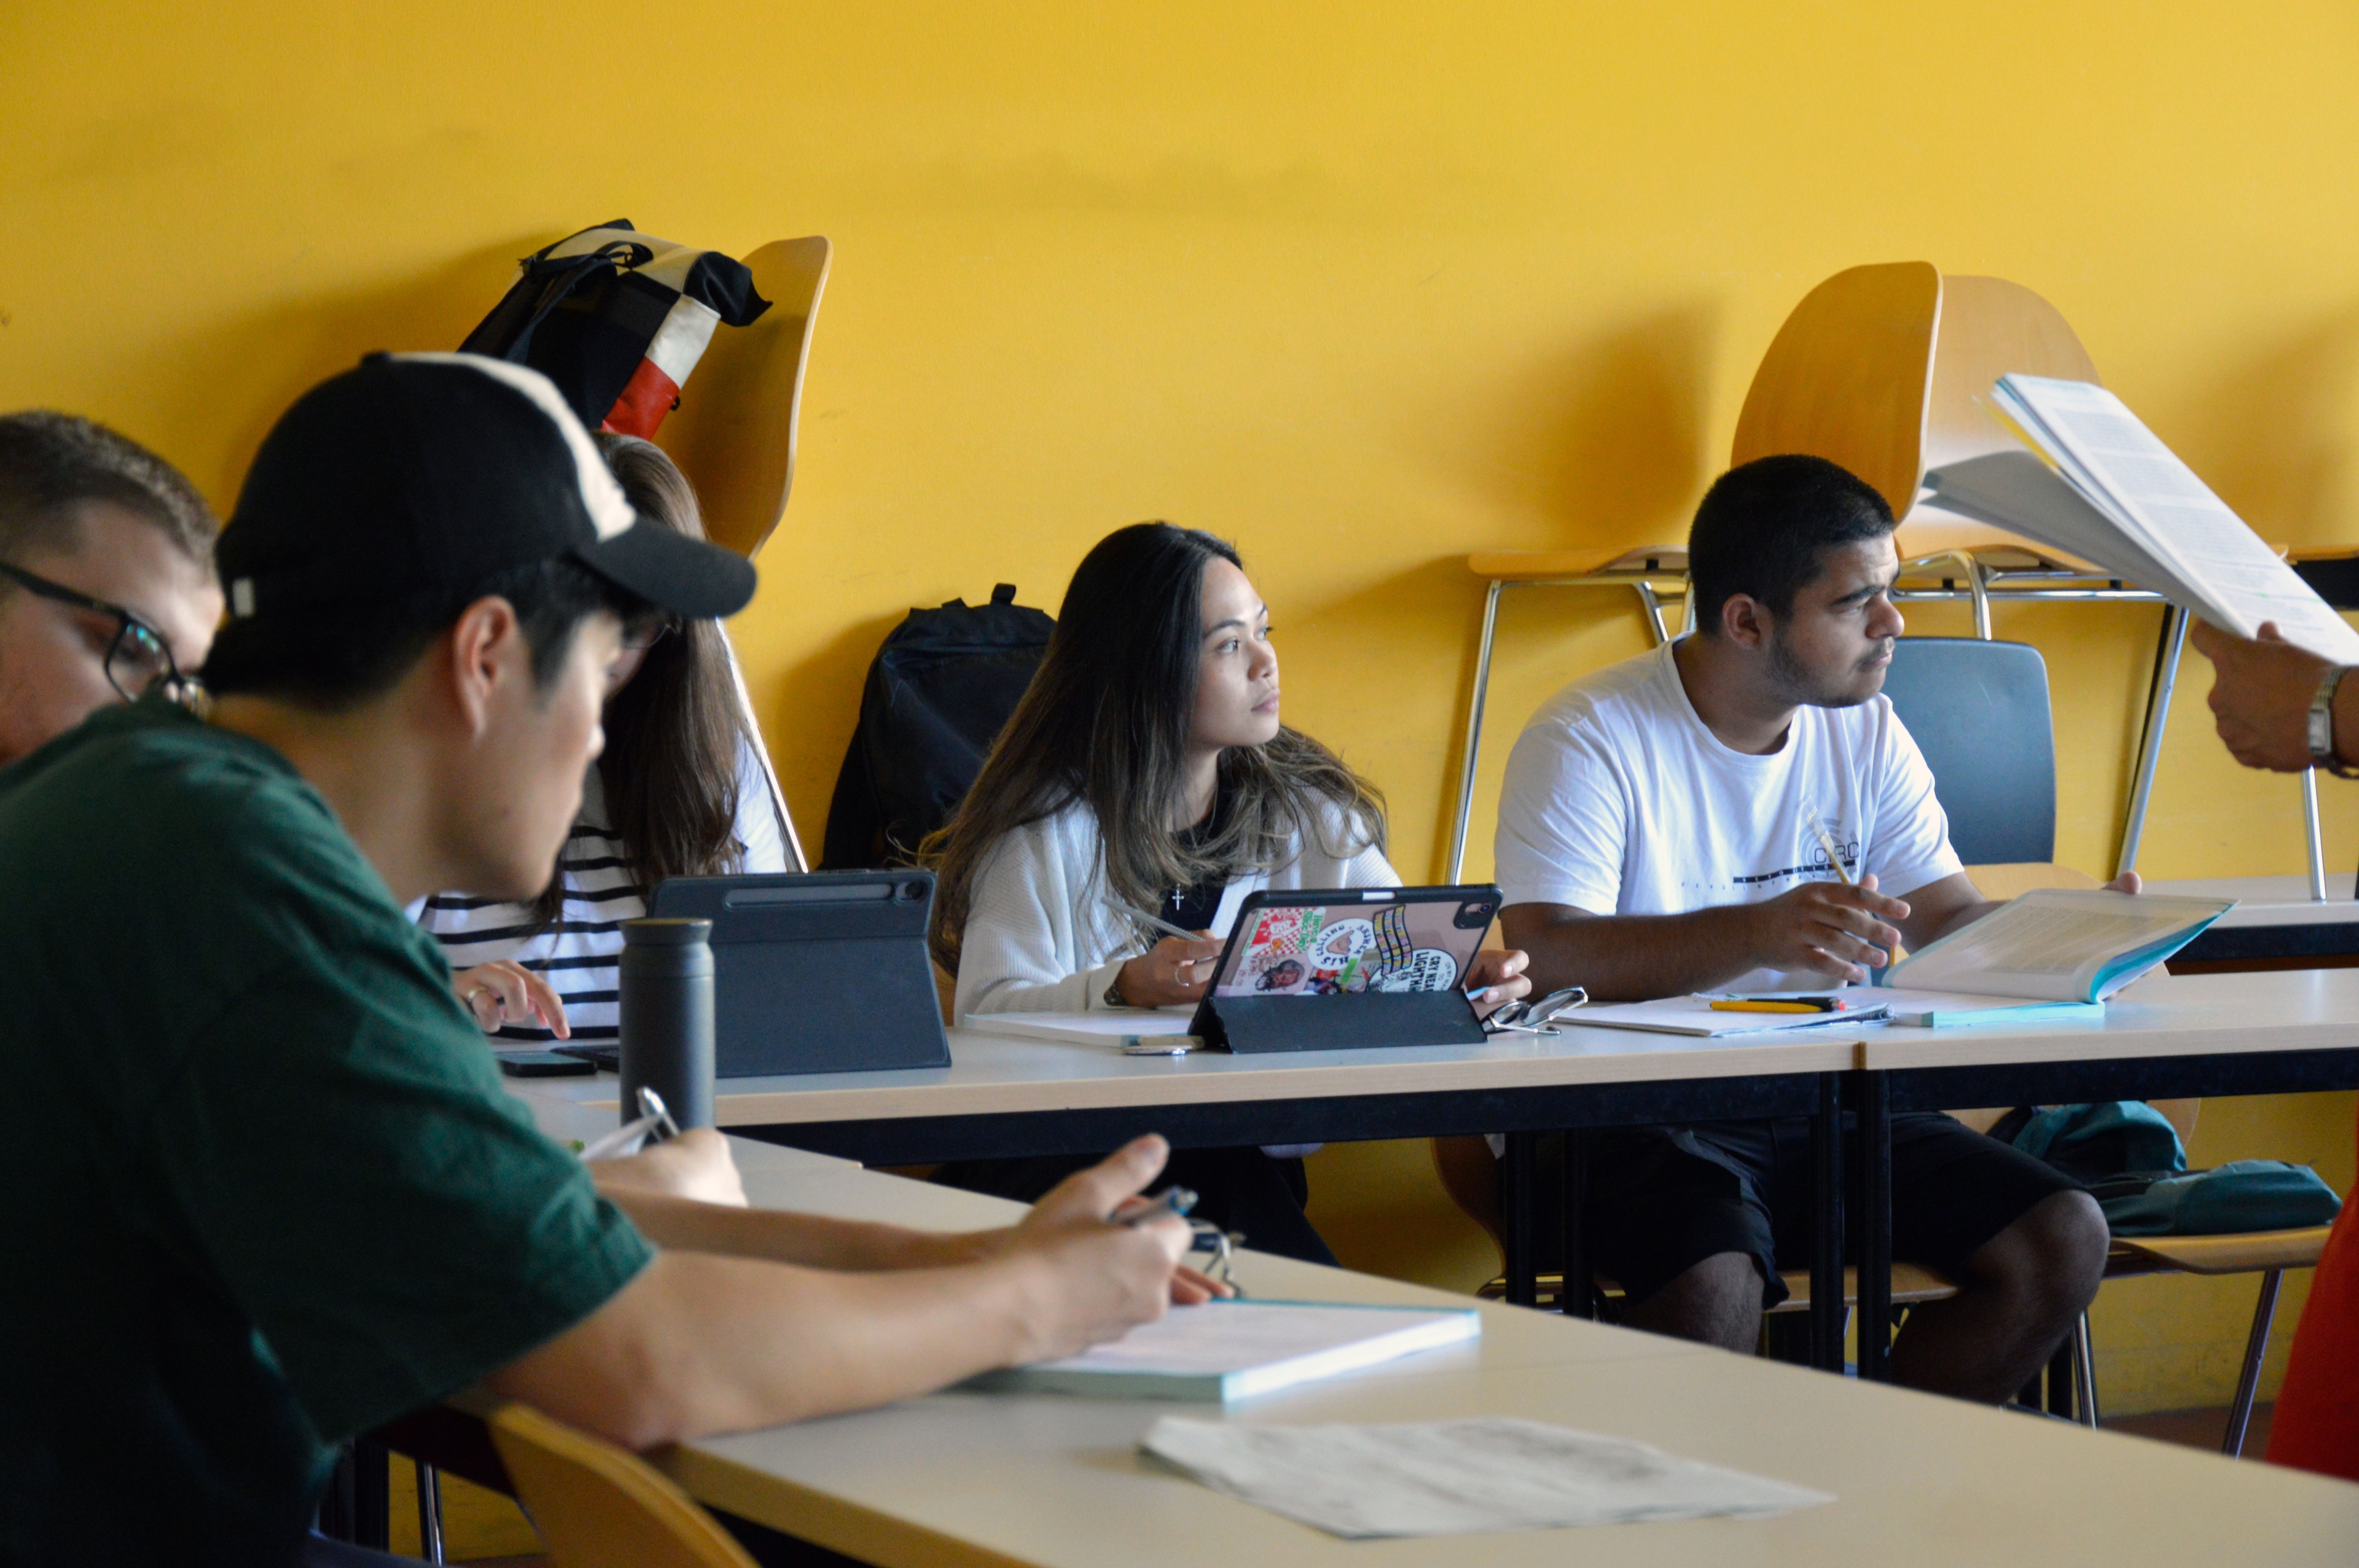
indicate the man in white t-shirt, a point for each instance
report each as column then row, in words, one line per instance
column 1660, row 834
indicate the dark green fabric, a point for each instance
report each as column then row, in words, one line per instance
column 262, row 1189
column 2227, row 1200
column 2102, row 1139
column 2135, row 1168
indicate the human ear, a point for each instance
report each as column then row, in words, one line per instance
column 486, row 648
column 1743, row 622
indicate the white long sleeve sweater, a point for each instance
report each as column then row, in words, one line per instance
column 1044, row 934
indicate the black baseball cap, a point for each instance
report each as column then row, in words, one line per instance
column 411, row 472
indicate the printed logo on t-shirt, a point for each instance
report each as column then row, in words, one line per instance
column 1815, row 866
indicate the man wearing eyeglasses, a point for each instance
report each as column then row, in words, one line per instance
column 107, row 577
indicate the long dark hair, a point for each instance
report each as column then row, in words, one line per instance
column 672, row 734
column 1105, row 721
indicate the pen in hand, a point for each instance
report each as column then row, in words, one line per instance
column 1171, row 1200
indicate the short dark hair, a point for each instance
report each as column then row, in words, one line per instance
column 1765, row 526
column 336, row 656
column 51, row 464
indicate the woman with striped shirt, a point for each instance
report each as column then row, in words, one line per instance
column 681, row 790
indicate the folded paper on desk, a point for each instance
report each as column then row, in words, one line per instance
column 2059, row 945
column 1459, row 1477
column 2096, row 483
column 1235, row 1350
column 1106, row 1028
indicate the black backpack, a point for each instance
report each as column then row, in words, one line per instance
column 939, row 689
column 617, row 320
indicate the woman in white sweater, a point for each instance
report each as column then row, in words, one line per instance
column 1146, row 772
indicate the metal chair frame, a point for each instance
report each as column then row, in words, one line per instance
column 1947, row 576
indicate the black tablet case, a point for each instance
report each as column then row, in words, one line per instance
column 1254, row 1024
column 825, row 973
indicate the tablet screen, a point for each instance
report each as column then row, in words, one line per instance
column 1350, row 942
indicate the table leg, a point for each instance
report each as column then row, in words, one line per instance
column 1873, row 1097
column 1577, row 1299
column 2157, row 718
column 1827, row 1226
column 1473, row 732
column 1516, row 1204
column 372, row 1517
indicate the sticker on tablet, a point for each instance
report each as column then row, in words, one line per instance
column 1343, row 942
column 1393, row 945
column 1283, row 976
column 1427, row 969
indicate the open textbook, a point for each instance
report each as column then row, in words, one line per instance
column 2051, row 954
column 2053, row 946
column 2097, row 484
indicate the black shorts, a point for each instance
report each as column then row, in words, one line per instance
column 1663, row 1199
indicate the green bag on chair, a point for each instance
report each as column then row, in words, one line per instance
column 2241, row 1195
column 2134, row 1166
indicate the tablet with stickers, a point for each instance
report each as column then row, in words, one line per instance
column 1330, row 969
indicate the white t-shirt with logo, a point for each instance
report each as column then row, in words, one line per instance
column 1620, row 801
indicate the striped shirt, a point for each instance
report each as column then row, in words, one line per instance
column 578, row 952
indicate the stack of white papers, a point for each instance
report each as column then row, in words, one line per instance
column 1235, row 1350
column 2096, row 483
column 1457, row 1478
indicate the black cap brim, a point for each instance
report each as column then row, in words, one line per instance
column 687, row 576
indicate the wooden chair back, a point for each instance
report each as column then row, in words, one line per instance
column 1886, row 368
column 735, row 431
column 597, row 1505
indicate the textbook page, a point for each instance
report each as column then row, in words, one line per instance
column 2019, row 492
column 1457, row 1478
column 2059, row 945
column 2100, row 443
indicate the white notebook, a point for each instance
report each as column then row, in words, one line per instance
column 1235, row 1350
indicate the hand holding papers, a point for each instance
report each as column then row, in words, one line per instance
column 1456, row 1478
column 2102, row 487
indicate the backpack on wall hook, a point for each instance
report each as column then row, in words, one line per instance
column 617, row 320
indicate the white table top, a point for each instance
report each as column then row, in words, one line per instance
column 999, row 1479
column 2162, row 1015
column 2271, row 901
column 994, row 1073
column 571, row 1119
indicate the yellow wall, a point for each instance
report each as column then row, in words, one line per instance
column 1361, row 285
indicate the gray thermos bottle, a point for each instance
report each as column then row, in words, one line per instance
column 667, row 1017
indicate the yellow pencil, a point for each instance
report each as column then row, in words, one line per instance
column 1827, row 842
column 1772, row 1007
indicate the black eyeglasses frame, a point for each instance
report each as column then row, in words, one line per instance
column 179, row 688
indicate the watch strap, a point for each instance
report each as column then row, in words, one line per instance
column 2322, row 753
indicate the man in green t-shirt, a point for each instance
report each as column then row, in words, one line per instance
column 265, row 1189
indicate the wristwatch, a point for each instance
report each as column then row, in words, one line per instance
column 1114, row 997
column 2322, row 726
